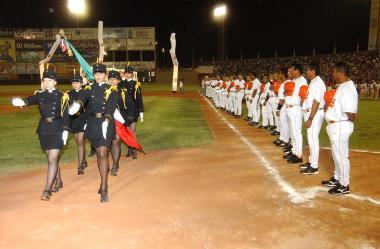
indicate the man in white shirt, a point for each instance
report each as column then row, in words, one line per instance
column 239, row 88
column 313, row 117
column 283, row 140
column 214, row 82
column 218, row 91
column 263, row 102
column 248, row 97
column 224, row 93
column 340, row 115
column 231, row 96
column 295, row 114
column 255, row 106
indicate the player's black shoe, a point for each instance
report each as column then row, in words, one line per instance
column 309, row 171
column 330, row 183
column 340, row 190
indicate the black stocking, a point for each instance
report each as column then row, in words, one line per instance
column 79, row 139
column 101, row 153
column 52, row 174
column 116, row 151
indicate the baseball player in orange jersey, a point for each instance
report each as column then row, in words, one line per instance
column 340, row 115
column 295, row 114
column 313, row 109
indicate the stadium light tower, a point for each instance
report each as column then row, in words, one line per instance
column 76, row 7
column 220, row 13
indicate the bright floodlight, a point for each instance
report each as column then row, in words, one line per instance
column 76, row 6
column 220, row 11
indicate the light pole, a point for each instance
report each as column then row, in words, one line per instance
column 220, row 13
column 76, row 7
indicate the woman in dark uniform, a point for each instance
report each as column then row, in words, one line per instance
column 100, row 101
column 53, row 128
column 78, row 122
column 134, row 90
column 126, row 108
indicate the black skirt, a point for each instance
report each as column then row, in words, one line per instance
column 77, row 124
column 50, row 142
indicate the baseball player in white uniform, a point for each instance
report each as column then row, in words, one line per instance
column 340, row 115
column 284, row 138
column 224, row 93
column 218, row 92
column 295, row 114
column 313, row 117
column 255, row 100
column 239, row 88
column 214, row 82
column 231, row 96
column 263, row 102
column 248, row 97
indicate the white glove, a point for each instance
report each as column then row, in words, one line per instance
column 85, row 126
column 104, row 129
column 117, row 116
column 65, row 135
column 74, row 108
column 142, row 117
column 18, row 102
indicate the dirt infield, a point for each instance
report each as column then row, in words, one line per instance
column 236, row 193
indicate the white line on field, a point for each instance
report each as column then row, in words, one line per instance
column 362, row 151
column 294, row 195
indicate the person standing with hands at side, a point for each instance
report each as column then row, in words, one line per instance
column 313, row 108
column 341, row 109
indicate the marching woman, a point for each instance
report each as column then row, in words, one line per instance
column 126, row 110
column 53, row 128
column 78, row 122
column 100, row 101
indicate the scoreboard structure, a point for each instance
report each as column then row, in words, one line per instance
column 22, row 49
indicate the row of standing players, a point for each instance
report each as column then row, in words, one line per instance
column 87, row 112
column 284, row 100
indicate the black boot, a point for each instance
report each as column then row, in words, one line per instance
column 114, row 170
column 57, row 186
column 134, row 154
column 46, row 195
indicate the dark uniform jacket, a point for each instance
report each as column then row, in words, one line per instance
column 78, row 120
column 134, row 90
column 100, row 102
column 126, row 104
column 53, row 107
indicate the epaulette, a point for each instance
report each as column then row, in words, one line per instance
column 87, row 87
column 110, row 90
column 37, row 91
column 137, row 87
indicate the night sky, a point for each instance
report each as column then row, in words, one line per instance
column 252, row 26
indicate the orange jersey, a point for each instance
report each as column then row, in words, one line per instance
column 262, row 87
column 248, row 85
column 289, row 88
column 276, row 87
column 329, row 97
column 303, row 93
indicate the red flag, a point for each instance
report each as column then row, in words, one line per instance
column 127, row 136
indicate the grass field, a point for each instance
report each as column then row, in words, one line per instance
column 168, row 123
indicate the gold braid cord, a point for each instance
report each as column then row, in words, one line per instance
column 138, row 84
column 109, row 91
column 64, row 102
